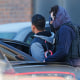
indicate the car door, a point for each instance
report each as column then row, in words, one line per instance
column 12, row 48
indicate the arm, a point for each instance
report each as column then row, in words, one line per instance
column 37, row 51
column 63, row 46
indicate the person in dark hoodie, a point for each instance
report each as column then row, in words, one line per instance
column 38, row 48
column 64, row 34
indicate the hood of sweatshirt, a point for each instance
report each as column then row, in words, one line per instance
column 61, row 17
column 46, row 35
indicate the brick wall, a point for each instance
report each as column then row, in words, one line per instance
column 15, row 11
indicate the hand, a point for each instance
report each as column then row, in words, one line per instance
column 51, row 22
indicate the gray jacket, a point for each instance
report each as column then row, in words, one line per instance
column 36, row 48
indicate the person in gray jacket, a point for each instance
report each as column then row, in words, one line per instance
column 38, row 45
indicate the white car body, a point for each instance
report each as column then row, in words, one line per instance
column 20, row 30
column 15, row 31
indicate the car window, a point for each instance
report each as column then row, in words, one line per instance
column 29, row 38
column 19, row 45
column 10, row 55
column 7, row 35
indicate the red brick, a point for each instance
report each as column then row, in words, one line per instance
column 15, row 11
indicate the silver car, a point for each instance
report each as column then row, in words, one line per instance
column 16, row 31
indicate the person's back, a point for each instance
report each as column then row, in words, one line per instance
column 64, row 34
column 37, row 47
column 73, row 56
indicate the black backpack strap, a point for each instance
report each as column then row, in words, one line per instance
column 70, row 25
column 48, row 47
column 75, row 52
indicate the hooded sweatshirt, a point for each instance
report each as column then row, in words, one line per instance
column 36, row 49
column 64, row 38
column 61, row 17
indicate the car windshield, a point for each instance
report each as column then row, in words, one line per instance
column 7, row 35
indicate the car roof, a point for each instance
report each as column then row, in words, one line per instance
column 14, row 27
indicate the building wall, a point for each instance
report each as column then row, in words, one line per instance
column 15, row 11
column 72, row 7
column 22, row 10
column 43, row 6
